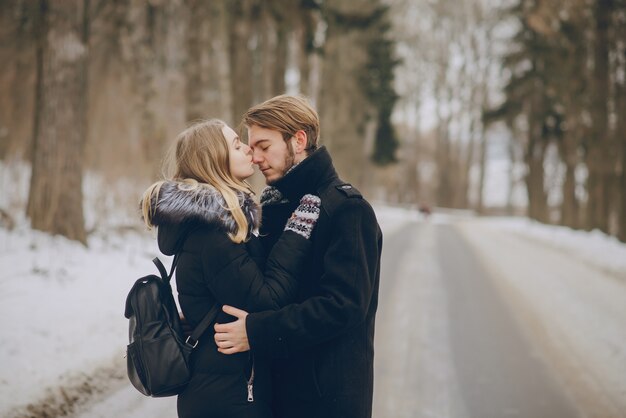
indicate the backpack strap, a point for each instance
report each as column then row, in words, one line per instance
column 174, row 262
column 191, row 340
column 166, row 277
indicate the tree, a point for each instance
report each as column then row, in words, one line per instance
column 377, row 78
column 598, row 157
column 619, row 23
column 56, row 200
column 241, row 15
column 349, row 117
column 207, row 64
column 17, row 53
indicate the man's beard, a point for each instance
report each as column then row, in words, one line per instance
column 290, row 162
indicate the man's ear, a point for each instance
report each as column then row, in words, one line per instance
column 299, row 144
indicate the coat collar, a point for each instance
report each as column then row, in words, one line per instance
column 314, row 172
column 180, row 208
column 179, row 203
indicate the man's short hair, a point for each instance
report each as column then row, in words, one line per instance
column 287, row 115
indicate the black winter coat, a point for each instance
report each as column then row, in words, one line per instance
column 214, row 270
column 324, row 344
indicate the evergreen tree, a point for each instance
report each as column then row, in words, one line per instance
column 378, row 78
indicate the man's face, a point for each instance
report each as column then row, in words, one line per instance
column 270, row 152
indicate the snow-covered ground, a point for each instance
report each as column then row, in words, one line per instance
column 61, row 308
column 61, row 304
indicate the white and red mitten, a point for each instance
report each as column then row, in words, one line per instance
column 305, row 216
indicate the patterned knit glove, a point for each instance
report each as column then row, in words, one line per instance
column 305, row 216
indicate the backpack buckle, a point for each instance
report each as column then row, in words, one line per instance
column 188, row 343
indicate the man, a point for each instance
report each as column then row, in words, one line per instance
column 323, row 344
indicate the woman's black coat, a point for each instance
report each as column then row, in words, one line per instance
column 212, row 269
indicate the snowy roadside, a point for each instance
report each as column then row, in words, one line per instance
column 595, row 248
column 61, row 312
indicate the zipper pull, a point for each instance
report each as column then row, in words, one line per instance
column 250, row 397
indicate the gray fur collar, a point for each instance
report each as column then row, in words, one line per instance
column 178, row 203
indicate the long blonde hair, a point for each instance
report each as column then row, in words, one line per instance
column 200, row 158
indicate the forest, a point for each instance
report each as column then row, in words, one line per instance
column 418, row 99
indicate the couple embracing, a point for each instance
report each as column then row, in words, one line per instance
column 296, row 276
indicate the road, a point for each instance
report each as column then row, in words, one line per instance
column 454, row 340
column 467, row 356
column 479, row 324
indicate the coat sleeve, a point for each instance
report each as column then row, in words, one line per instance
column 351, row 269
column 235, row 278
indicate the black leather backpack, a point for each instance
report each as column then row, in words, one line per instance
column 157, row 357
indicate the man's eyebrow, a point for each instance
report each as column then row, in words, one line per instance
column 260, row 141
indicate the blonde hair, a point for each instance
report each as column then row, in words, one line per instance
column 287, row 115
column 200, row 158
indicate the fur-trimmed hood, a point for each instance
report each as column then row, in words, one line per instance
column 181, row 207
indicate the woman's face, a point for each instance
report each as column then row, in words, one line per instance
column 240, row 155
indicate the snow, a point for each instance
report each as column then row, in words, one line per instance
column 596, row 248
column 61, row 304
column 61, row 307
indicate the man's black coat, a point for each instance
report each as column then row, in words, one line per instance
column 323, row 345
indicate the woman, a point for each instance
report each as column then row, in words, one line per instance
column 206, row 215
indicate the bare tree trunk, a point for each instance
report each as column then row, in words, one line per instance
column 475, row 84
column 221, row 43
column 598, row 165
column 304, row 33
column 198, row 66
column 282, row 16
column 534, row 155
column 621, row 128
column 344, row 110
column 621, row 232
column 467, row 165
column 569, row 206
column 444, row 147
column 273, row 28
column 55, row 198
column 513, row 160
column 280, row 66
column 444, row 165
column 410, row 175
column 267, row 28
column 537, row 204
column 240, row 14
column 148, row 68
column 17, row 77
column 480, row 206
column 207, row 66
column 410, row 192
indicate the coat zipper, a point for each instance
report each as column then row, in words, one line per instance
column 251, row 384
